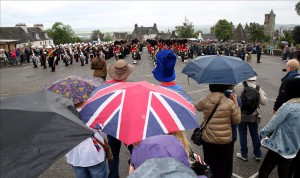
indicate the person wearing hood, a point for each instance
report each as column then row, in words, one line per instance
column 164, row 72
column 161, row 146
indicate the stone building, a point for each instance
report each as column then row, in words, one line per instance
column 269, row 24
column 144, row 33
column 23, row 35
column 120, row 36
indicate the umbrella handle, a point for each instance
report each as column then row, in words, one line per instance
column 189, row 80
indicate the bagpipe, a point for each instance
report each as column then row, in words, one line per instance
column 134, row 54
column 34, row 59
column 82, row 57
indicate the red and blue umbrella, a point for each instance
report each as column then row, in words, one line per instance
column 133, row 111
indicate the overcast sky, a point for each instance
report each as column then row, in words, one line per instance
column 114, row 14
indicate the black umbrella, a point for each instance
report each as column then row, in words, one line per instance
column 36, row 130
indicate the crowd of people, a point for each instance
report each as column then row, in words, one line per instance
column 84, row 52
column 219, row 136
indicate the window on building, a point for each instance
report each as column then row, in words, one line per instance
column 46, row 35
column 41, row 43
column 37, row 36
column 49, row 42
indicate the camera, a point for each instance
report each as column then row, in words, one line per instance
column 228, row 93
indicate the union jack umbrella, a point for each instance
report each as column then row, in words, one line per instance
column 133, row 111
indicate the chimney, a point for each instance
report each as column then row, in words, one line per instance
column 135, row 26
column 41, row 26
column 155, row 26
column 23, row 26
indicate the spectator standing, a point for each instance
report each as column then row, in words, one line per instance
column 217, row 135
column 258, row 52
column 285, row 52
column 271, row 50
column 282, row 135
column 88, row 158
column 14, row 57
column 292, row 67
column 3, row 58
column 119, row 72
column 292, row 52
column 18, row 56
column 164, row 72
column 251, row 122
column 98, row 64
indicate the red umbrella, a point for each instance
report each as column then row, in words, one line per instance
column 133, row 111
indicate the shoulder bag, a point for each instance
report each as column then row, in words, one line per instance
column 197, row 134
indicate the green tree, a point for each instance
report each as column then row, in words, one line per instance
column 108, row 37
column 61, row 33
column 223, row 30
column 186, row 30
column 267, row 38
column 286, row 37
column 94, row 35
column 256, row 32
column 297, row 8
column 296, row 34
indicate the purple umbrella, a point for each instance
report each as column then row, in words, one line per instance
column 76, row 88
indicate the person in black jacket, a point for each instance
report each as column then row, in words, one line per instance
column 292, row 67
column 258, row 52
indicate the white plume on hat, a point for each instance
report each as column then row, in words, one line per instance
column 253, row 78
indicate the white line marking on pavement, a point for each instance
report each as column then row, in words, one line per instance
column 254, row 175
column 197, row 91
column 4, row 94
column 236, row 175
column 146, row 75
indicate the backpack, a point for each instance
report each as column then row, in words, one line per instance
column 250, row 99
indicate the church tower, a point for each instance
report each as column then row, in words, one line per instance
column 269, row 25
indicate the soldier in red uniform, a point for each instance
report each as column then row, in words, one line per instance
column 134, row 51
column 117, row 51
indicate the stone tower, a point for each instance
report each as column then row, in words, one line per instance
column 269, row 25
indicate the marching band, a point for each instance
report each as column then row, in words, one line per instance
column 85, row 52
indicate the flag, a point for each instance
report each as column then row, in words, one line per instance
column 99, row 38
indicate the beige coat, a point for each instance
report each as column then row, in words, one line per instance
column 218, row 130
column 99, row 67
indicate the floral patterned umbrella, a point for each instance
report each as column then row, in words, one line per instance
column 76, row 88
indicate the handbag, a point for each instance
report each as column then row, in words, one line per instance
column 198, row 165
column 105, row 146
column 197, row 134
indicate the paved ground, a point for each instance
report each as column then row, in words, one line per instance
column 26, row 79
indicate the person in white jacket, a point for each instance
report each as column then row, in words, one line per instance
column 88, row 158
column 251, row 122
